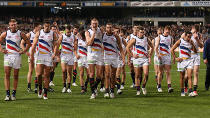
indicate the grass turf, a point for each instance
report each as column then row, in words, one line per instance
column 158, row 105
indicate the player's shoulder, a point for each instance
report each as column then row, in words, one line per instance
column 145, row 37
column 4, row 34
column 156, row 38
column 40, row 31
column 89, row 30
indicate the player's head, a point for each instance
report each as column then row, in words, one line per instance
column 195, row 28
column 117, row 30
column 159, row 31
column 75, row 29
column 82, row 34
column 46, row 26
column 141, row 32
column 167, row 30
column 135, row 29
column 13, row 24
column 68, row 30
column 94, row 23
column 53, row 28
column 122, row 32
column 37, row 26
column 109, row 28
column 103, row 28
column 188, row 35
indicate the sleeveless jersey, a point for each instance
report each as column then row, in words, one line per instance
column 185, row 49
column 96, row 48
column 141, row 47
column 131, row 37
column 196, row 45
column 32, row 35
column 45, row 43
column 110, row 46
column 82, row 48
column 165, row 45
column 154, row 44
column 13, row 42
column 67, row 44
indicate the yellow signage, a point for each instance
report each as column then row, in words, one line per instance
column 107, row 3
column 15, row 3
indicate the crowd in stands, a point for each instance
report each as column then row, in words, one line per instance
column 26, row 25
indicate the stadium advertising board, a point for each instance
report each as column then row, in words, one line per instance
column 195, row 3
column 19, row 4
column 107, row 4
column 91, row 4
column 3, row 4
column 72, row 4
column 50, row 4
column 62, row 4
column 15, row 3
column 152, row 4
column 29, row 4
column 121, row 4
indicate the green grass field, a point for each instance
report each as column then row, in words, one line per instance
column 127, row 105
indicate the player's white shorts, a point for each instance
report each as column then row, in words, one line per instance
column 140, row 62
column 95, row 60
column 82, row 62
column 13, row 61
column 102, row 61
column 131, row 60
column 75, row 59
column 120, row 63
column 185, row 64
column 111, row 61
column 165, row 60
column 196, row 59
column 45, row 60
column 67, row 59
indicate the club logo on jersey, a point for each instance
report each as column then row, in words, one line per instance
column 17, row 36
column 168, row 40
column 138, row 43
column 49, row 37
